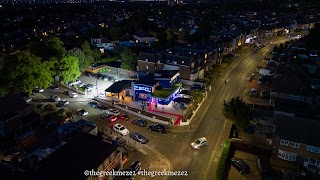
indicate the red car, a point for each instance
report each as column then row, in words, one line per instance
column 113, row 118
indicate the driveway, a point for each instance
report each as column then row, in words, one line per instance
column 250, row 159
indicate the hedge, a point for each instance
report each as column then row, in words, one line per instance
column 221, row 172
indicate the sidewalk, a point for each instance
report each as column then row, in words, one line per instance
column 214, row 159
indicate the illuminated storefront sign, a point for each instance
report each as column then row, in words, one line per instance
column 142, row 88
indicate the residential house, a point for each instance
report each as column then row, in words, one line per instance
column 127, row 41
column 103, row 44
column 83, row 152
column 16, row 116
column 295, row 140
column 144, row 37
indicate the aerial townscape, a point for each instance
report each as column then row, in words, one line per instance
column 160, row 89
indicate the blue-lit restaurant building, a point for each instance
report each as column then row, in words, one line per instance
column 150, row 87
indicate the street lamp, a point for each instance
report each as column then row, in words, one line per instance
column 97, row 85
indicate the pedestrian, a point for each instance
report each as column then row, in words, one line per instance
column 225, row 81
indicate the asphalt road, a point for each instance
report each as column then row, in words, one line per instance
column 174, row 146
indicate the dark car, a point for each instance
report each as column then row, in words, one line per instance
column 197, row 87
column 124, row 117
column 138, row 137
column 186, row 92
column 268, row 81
column 139, row 122
column 157, row 127
column 92, row 104
column 135, row 166
column 90, row 74
column 240, row 165
column 66, row 93
column 100, row 76
column 55, row 87
column 101, row 107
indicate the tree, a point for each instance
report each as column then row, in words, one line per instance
column 275, row 49
column 28, row 71
column 169, row 35
column 236, row 111
column 86, row 48
column 68, row 69
column 96, row 53
column 128, row 59
column 54, row 47
column 83, row 62
column 115, row 32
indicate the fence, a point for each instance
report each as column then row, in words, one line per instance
column 259, row 106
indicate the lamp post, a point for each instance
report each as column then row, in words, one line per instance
column 97, row 85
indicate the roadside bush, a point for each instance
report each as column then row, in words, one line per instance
column 221, row 172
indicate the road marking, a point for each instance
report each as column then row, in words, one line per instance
column 176, row 142
column 213, row 153
column 142, row 151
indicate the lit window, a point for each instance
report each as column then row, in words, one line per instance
column 295, row 145
column 284, row 142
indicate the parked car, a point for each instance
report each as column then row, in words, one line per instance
column 199, row 143
column 138, row 137
column 260, row 80
column 118, row 128
column 197, row 87
column 240, row 165
column 75, row 82
column 55, row 87
column 124, row 117
column 100, row 76
column 37, row 89
column 135, row 166
column 90, row 74
column 90, row 87
column 62, row 103
column 80, row 85
column 55, row 98
column 112, row 118
column 82, row 112
column 92, row 104
column 184, row 92
column 66, row 93
column 101, row 107
column 268, row 81
column 73, row 95
column 139, row 122
column 157, row 127
column 253, row 92
column 113, row 112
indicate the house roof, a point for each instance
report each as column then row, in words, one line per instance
column 166, row 73
column 83, row 152
column 126, row 37
column 142, row 33
column 298, row 130
column 119, row 86
column 299, row 108
column 147, row 80
column 181, row 60
column 290, row 84
column 150, row 57
column 10, row 105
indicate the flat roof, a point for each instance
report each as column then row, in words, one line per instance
column 147, row 80
column 119, row 86
column 83, row 152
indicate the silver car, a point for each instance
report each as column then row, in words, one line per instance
column 199, row 143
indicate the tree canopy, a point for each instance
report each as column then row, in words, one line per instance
column 27, row 72
column 128, row 59
column 236, row 111
column 68, row 69
column 83, row 62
